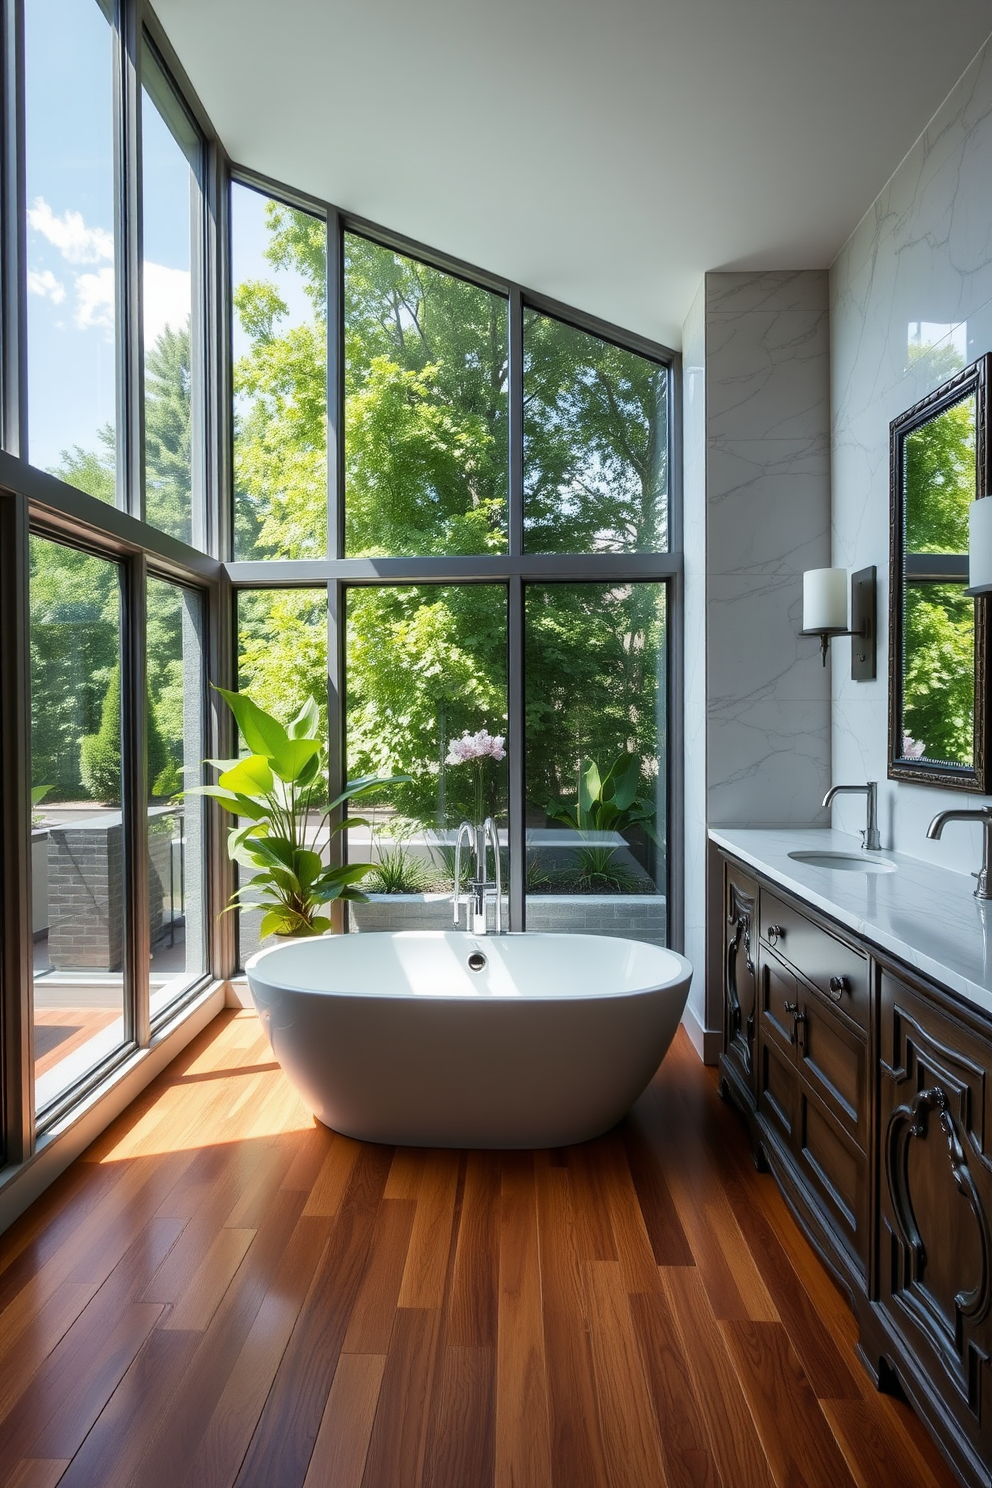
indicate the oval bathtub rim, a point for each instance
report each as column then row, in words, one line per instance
column 683, row 969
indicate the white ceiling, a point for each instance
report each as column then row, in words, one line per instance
column 605, row 152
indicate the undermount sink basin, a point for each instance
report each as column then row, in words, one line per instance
column 845, row 862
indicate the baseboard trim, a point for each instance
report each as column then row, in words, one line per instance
column 707, row 1042
column 24, row 1182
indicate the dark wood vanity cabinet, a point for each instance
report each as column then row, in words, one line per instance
column 934, row 1281
column 867, row 1093
column 813, row 1072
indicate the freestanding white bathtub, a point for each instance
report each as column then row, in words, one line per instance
column 446, row 1039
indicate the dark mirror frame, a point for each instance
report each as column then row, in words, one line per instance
column 936, row 567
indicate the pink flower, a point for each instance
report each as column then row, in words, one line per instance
column 911, row 748
column 476, row 747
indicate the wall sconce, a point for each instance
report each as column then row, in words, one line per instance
column 825, row 613
column 980, row 547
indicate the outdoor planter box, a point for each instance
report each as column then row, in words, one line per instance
column 635, row 916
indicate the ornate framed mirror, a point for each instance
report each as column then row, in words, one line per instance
column 938, row 676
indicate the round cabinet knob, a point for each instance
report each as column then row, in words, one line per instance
column 838, row 986
column 775, row 933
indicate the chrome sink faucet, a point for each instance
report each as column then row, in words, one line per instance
column 981, row 814
column 480, row 840
column 869, row 837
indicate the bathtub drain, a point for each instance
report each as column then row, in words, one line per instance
column 476, row 961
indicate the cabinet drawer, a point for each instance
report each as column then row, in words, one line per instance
column 836, row 1173
column 778, row 1089
column 839, row 972
column 833, row 1058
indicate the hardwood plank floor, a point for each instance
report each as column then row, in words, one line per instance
column 221, row 1292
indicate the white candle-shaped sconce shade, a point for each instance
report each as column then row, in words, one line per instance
column 980, row 544
column 825, row 599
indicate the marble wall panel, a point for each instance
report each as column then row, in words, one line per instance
column 922, row 254
column 768, row 519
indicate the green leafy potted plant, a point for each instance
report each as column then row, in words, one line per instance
column 607, row 803
column 272, row 790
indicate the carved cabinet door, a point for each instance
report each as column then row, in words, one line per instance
column 739, row 975
column 935, row 1244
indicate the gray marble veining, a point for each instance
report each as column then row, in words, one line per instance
column 910, row 299
column 925, row 916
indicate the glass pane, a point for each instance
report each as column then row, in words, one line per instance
column 939, row 478
column 170, row 224
column 279, row 269
column 595, row 444
column 77, row 837
column 177, row 887
column 939, row 674
column 426, row 415
column 596, row 759
column 425, row 667
column 71, row 183
column 282, row 661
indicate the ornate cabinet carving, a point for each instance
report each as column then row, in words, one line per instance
column 935, row 1246
column 740, row 979
column 867, row 1091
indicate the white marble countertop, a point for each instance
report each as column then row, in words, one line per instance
column 927, row 917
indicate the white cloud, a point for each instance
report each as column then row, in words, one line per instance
column 168, row 295
column 46, row 285
column 95, row 296
column 77, row 243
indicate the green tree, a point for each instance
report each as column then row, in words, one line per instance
column 100, row 753
column 169, row 434
column 939, row 621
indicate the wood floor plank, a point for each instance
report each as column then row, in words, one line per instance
column 577, row 1458
column 224, row 1292
column 594, row 1239
column 399, row 1432
column 283, row 1441
column 210, row 1281
column 630, row 1430
column 734, row 1440
column 474, row 1299
column 234, row 1390
column 342, row 1445
column 113, row 1450
column 669, row 1244
column 332, row 1180
column 779, row 1395
column 372, row 1316
column 430, row 1239
column 523, row 1447
column 37, row 1472
column 831, row 1375
column 54, row 1417
column 685, row 1447
column 878, row 1457
column 461, row 1440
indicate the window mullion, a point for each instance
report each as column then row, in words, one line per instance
column 335, row 387
column 16, row 947
column 130, row 372
column 336, row 743
column 13, row 219
column 135, row 795
column 515, row 389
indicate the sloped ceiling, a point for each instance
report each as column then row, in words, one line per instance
column 605, row 152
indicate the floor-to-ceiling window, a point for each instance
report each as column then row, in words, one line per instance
column 495, row 491
column 109, row 597
column 250, row 441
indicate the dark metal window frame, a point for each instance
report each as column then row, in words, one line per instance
column 33, row 501
column 513, row 570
